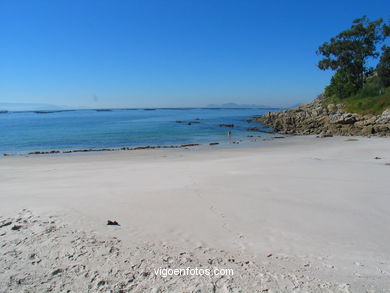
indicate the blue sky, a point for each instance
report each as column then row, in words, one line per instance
column 149, row 53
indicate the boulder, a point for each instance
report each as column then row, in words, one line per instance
column 384, row 118
column 367, row 130
column 344, row 118
column 332, row 108
column 381, row 128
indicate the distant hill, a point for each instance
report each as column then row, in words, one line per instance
column 30, row 107
column 295, row 105
column 234, row 105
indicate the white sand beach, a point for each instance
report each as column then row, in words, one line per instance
column 300, row 214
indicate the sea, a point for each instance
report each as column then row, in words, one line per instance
column 40, row 131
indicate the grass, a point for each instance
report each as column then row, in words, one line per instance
column 369, row 100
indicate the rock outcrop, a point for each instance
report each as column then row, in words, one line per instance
column 314, row 118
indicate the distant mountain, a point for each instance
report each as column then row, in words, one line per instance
column 234, row 105
column 30, row 107
column 294, row 106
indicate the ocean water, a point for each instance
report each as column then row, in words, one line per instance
column 23, row 132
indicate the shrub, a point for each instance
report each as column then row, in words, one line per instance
column 341, row 86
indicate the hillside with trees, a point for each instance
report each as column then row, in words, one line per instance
column 357, row 84
column 357, row 100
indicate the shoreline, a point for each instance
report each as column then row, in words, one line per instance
column 238, row 143
column 254, row 138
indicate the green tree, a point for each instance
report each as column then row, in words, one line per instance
column 386, row 30
column 340, row 85
column 347, row 53
column 383, row 67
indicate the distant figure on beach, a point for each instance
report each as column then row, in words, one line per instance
column 229, row 133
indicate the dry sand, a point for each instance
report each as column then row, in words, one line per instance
column 301, row 214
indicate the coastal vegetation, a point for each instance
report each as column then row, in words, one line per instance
column 371, row 99
column 356, row 83
column 357, row 100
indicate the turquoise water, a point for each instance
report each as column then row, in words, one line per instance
column 23, row 132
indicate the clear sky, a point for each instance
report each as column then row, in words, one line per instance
column 156, row 53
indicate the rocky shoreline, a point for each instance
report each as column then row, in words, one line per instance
column 315, row 119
